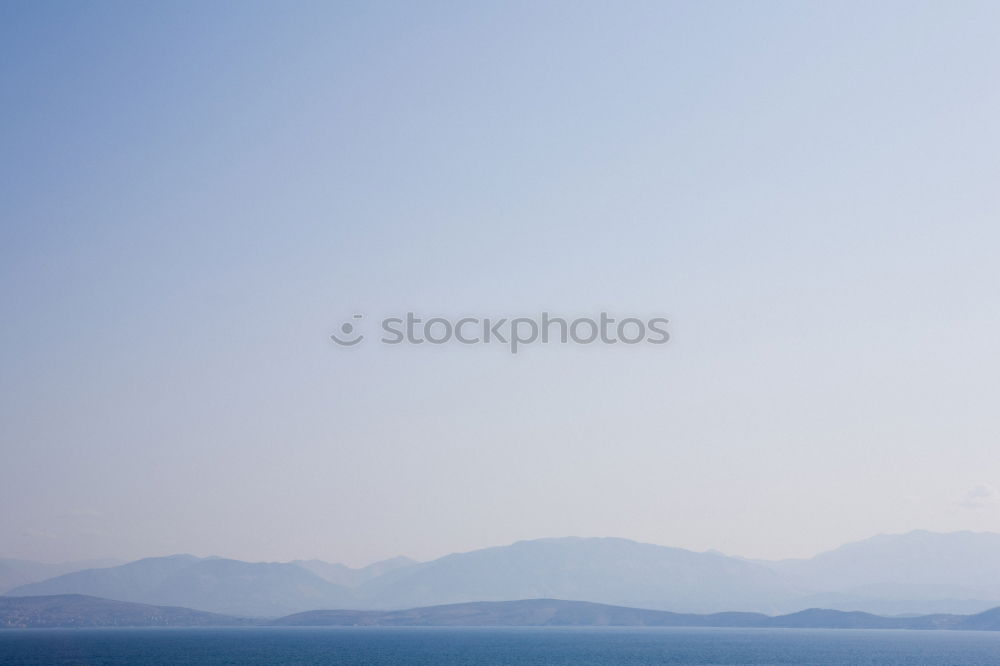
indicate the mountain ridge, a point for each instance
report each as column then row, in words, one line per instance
column 217, row 585
column 17, row 572
column 915, row 573
column 82, row 611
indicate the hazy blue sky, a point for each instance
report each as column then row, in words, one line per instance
column 193, row 196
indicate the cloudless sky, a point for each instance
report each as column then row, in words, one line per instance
column 193, row 196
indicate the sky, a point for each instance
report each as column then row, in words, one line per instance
column 194, row 196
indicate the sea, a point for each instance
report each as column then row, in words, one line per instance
column 486, row 646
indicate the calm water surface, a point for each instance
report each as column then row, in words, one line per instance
column 439, row 646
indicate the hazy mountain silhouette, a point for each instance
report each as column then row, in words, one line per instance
column 21, row 572
column 985, row 621
column 522, row 613
column 77, row 610
column 87, row 611
column 916, row 572
column 613, row 571
column 605, row 570
column 918, row 558
column 895, row 600
column 557, row 612
column 348, row 577
column 210, row 584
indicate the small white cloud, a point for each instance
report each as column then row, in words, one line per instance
column 980, row 496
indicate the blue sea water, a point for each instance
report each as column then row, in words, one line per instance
column 534, row 646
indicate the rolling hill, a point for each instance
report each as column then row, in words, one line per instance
column 80, row 611
column 209, row 584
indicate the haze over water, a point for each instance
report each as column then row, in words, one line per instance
column 488, row 647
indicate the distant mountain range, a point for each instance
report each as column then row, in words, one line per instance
column 14, row 573
column 344, row 575
column 894, row 574
column 233, row 587
column 612, row 571
column 918, row 573
column 80, row 611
